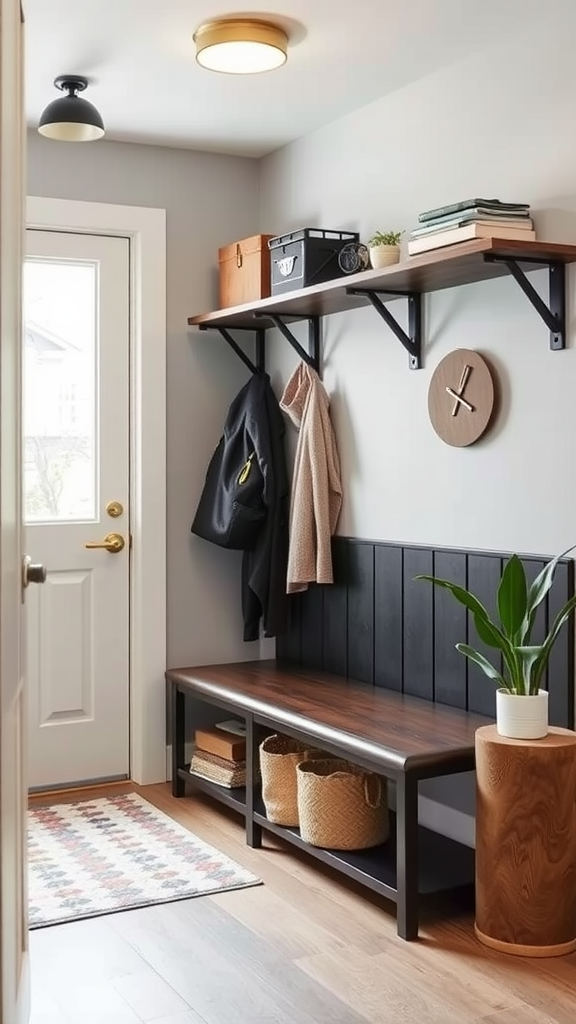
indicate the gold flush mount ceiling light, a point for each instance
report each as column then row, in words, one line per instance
column 240, row 46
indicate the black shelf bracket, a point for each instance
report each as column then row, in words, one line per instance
column 312, row 356
column 553, row 315
column 260, row 365
column 411, row 341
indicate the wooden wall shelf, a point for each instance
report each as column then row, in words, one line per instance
column 478, row 260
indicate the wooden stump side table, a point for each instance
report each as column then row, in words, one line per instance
column 526, row 843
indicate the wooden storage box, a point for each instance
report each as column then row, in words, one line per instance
column 244, row 271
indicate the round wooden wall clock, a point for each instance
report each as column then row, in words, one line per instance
column 461, row 397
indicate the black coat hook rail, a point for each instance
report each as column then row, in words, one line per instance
column 312, row 356
column 257, row 367
column 270, row 320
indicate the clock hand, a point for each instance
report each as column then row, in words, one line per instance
column 463, row 377
column 460, row 389
column 458, row 398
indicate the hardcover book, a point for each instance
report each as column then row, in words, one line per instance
column 455, row 235
column 466, row 204
column 497, row 223
column 224, row 744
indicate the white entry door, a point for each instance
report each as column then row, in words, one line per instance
column 76, row 505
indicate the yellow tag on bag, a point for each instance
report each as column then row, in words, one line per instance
column 245, row 471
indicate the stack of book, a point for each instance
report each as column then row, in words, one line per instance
column 472, row 218
column 220, row 757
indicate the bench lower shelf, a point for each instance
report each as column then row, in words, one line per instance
column 235, row 798
column 443, row 864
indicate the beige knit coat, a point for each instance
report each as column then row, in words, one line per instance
column 316, row 488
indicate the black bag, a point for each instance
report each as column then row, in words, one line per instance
column 231, row 511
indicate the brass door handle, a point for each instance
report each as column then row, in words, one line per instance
column 113, row 542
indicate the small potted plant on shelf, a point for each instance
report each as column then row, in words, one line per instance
column 521, row 703
column 384, row 248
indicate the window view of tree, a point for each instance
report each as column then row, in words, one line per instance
column 59, row 384
column 48, row 464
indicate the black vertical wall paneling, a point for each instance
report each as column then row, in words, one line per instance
column 335, row 653
column 288, row 644
column 361, row 611
column 367, row 601
column 561, row 662
column 418, row 624
column 532, row 567
column 388, row 617
column 484, row 573
column 312, row 626
column 450, row 628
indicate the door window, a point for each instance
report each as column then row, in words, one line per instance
column 60, row 385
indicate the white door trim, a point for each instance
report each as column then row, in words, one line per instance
column 146, row 229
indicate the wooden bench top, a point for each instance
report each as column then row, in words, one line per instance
column 392, row 730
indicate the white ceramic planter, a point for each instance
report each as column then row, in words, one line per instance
column 522, row 718
column 384, row 255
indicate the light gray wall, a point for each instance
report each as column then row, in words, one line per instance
column 487, row 126
column 210, row 200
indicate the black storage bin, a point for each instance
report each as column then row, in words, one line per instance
column 308, row 256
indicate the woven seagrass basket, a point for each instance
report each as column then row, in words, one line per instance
column 279, row 758
column 341, row 806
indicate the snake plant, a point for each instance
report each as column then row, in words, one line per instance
column 524, row 663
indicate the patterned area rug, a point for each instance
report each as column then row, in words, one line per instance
column 96, row 857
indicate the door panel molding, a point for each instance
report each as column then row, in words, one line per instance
column 146, row 230
column 66, row 690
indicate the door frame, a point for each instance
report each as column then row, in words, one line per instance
column 145, row 229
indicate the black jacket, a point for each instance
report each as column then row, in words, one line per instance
column 244, row 503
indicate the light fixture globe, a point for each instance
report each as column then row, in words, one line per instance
column 71, row 118
column 240, row 46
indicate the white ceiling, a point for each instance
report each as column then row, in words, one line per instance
column 139, row 55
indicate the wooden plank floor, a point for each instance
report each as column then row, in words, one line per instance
column 304, row 948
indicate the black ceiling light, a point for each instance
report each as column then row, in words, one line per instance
column 71, row 118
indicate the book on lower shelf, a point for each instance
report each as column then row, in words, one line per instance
column 220, row 770
column 440, row 239
column 232, row 725
column 222, row 743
